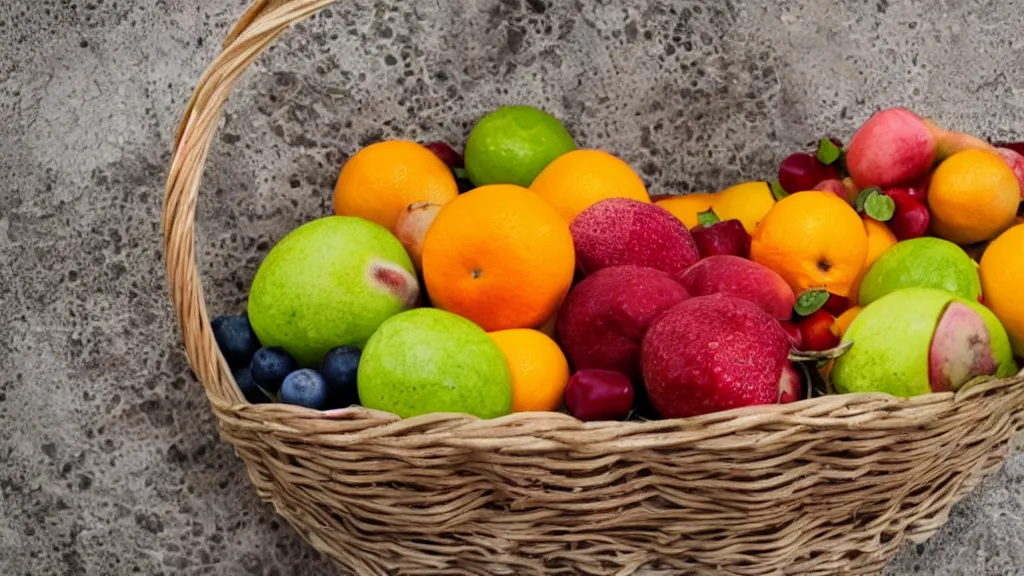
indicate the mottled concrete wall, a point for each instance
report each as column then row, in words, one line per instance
column 109, row 458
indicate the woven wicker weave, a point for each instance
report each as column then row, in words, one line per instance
column 824, row 486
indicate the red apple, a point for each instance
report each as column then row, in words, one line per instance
column 447, row 154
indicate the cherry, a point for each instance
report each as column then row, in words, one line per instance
column 911, row 218
column 599, row 395
column 836, row 304
column 817, row 331
column 714, row 236
column 802, row 171
column 447, row 154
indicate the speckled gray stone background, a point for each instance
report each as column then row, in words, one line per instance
column 109, row 458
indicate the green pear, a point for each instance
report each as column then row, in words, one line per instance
column 919, row 340
column 330, row 282
column 922, row 262
column 427, row 360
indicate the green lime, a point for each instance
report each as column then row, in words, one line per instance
column 513, row 144
column 922, row 263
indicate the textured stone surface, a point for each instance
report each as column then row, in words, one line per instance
column 109, row 457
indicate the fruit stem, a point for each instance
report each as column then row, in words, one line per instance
column 708, row 217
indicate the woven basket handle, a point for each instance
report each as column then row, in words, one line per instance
column 255, row 31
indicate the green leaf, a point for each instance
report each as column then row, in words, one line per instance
column 708, row 217
column 828, row 152
column 866, row 193
column 460, row 173
column 810, row 302
column 777, row 190
column 880, row 207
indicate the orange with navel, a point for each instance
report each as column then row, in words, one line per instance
column 500, row 256
column 538, row 368
column 813, row 240
column 380, row 181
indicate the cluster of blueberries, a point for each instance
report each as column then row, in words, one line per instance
column 269, row 374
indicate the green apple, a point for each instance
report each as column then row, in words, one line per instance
column 922, row 262
column 330, row 282
column 427, row 360
column 919, row 340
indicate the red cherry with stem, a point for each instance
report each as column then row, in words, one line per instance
column 817, row 331
column 713, row 236
column 802, row 171
column 599, row 395
column 910, row 218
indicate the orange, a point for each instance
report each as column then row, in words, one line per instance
column 539, row 370
column 813, row 240
column 579, row 179
column 880, row 239
column 686, row 207
column 500, row 256
column 381, row 180
column 973, row 196
column 747, row 202
column 843, row 321
column 1002, row 276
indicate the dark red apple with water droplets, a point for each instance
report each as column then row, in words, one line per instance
column 599, row 395
column 714, row 353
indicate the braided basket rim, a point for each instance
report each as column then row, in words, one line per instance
column 272, row 438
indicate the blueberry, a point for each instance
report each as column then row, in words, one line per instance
column 339, row 368
column 269, row 367
column 235, row 338
column 252, row 392
column 305, row 387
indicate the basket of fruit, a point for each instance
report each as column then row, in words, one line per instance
column 519, row 361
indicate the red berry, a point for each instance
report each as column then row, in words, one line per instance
column 836, row 305
column 911, row 217
column 817, row 331
column 599, row 395
column 802, row 171
column 724, row 237
column 447, row 154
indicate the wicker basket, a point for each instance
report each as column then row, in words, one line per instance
column 823, row 486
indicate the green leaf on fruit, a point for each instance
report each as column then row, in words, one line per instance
column 708, row 217
column 828, row 152
column 866, row 193
column 880, row 207
column 777, row 190
column 810, row 302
